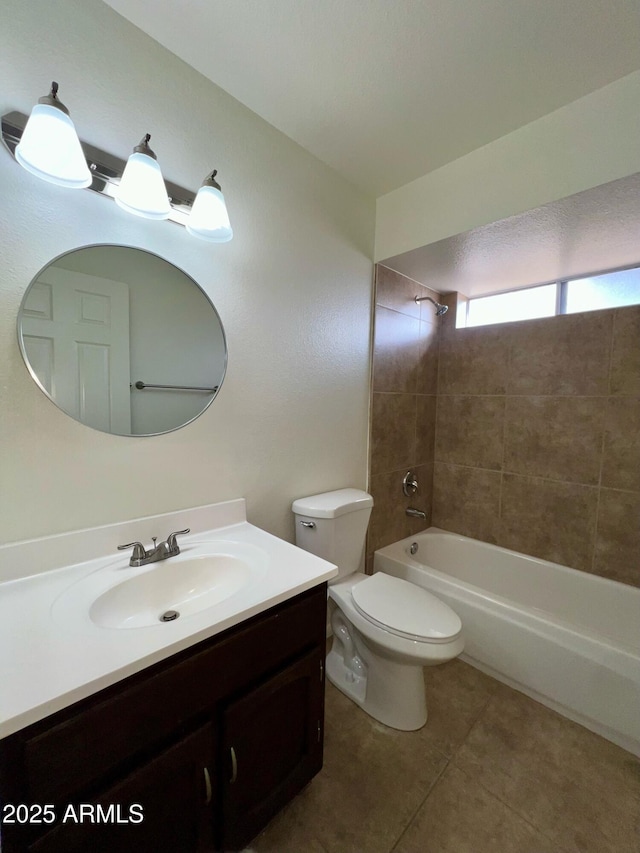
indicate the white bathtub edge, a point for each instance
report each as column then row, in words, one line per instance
column 630, row 744
column 585, row 677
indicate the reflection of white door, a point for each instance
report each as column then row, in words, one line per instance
column 75, row 329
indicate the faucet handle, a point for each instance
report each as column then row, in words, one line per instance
column 139, row 552
column 171, row 539
column 409, row 484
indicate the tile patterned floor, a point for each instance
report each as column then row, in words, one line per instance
column 491, row 771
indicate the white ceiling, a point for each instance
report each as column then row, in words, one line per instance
column 385, row 91
column 592, row 231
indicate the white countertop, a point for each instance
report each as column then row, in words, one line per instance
column 52, row 657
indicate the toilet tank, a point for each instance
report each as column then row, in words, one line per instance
column 333, row 525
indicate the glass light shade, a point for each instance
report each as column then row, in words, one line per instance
column 142, row 190
column 209, row 219
column 50, row 149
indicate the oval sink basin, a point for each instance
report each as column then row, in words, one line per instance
column 187, row 587
column 199, row 578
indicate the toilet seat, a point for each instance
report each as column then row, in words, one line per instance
column 406, row 610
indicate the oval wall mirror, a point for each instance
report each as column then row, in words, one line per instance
column 122, row 340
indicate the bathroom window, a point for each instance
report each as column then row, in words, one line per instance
column 523, row 304
column 609, row 290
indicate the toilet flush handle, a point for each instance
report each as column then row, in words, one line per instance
column 308, row 523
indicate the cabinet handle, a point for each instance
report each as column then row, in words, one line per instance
column 207, row 786
column 234, row 766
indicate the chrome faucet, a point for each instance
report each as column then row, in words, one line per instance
column 416, row 513
column 141, row 557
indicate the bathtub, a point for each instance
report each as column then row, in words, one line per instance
column 568, row 639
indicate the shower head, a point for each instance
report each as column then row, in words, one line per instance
column 440, row 308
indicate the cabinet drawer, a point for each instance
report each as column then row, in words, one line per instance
column 117, row 726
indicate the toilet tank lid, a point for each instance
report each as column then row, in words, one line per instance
column 332, row 504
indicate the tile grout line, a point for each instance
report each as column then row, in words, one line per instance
column 594, row 546
column 448, row 763
column 510, row 808
column 544, row 396
column 416, row 373
column 504, row 435
column 422, row 802
column 408, row 277
column 514, row 811
column 440, row 335
column 476, row 720
column 526, row 476
column 502, row 465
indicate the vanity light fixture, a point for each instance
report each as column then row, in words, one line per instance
column 209, row 219
column 50, row 148
column 47, row 145
column 142, row 190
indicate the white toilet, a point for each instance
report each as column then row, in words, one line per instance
column 385, row 630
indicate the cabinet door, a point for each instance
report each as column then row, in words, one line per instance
column 174, row 793
column 271, row 747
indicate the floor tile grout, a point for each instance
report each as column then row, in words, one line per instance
column 510, row 808
column 417, row 810
column 448, row 760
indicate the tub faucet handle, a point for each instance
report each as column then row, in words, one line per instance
column 409, row 484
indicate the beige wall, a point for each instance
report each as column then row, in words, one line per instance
column 533, row 437
column 594, row 140
column 293, row 289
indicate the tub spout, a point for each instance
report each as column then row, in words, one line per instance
column 416, row 513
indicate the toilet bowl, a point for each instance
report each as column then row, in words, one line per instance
column 385, row 630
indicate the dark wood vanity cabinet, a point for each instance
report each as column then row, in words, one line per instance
column 194, row 754
column 173, row 792
column 272, row 746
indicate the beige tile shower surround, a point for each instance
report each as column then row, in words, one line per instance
column 491, row 772
column 525, row 435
